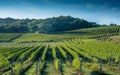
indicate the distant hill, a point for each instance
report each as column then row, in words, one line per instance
column 100, row 31
column 49, row 25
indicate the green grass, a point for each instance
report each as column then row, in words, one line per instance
column 99, row 31
column 61, row 36
column 93, row 48
column 39, row 37
column 68, row 47
column 7, row 37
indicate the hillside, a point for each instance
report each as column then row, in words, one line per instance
column 105, row 30
column 55, row 24
column 75, row 52
column 96, row 32
column 88, row 51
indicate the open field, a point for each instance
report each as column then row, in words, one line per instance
column 68, row 53
column 60, row 37
column 7, row 37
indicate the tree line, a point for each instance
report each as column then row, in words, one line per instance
column 49, row 25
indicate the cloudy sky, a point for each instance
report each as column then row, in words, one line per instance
column 100, row 11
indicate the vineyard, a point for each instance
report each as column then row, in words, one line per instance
column 82, row 52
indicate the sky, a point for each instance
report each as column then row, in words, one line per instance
column 99, row 11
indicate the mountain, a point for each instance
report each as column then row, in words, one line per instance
column 49, row 25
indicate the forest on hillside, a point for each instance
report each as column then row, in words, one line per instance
column 54, row 24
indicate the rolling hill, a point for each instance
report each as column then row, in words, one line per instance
column 49, row 25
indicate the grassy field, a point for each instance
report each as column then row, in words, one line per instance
column 7, row 37
column 39, row 37
column 96, row 52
